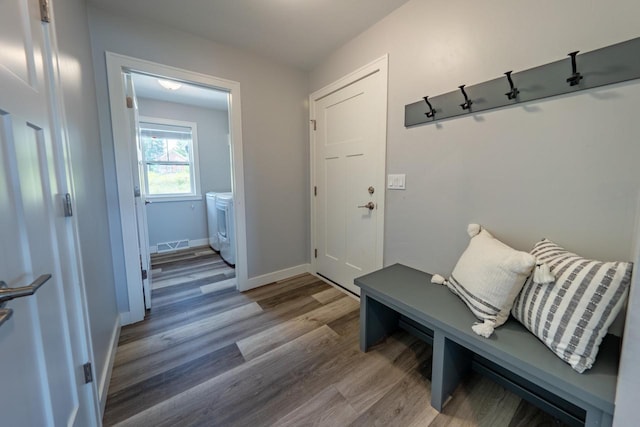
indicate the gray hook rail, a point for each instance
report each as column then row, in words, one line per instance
column 612, row 64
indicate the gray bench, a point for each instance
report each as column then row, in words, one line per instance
column 401, row 297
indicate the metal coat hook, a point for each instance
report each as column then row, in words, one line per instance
column 513, row 93
column 467, row 102
column 575, row 77
column 431, row 113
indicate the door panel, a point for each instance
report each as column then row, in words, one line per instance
column 33, row 176
column 349, row 138
column 17, row 40
column 342, row 118
column 139, row 187
column 334, row 231
column 360, row 230
column 20, row 352
column 44, row 345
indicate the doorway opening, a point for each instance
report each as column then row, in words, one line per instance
column 185, row 179
column 177, row 139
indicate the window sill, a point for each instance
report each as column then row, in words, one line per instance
column 163, row 199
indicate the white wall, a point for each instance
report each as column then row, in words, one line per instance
column 170, row 221
column 563, row 168
column 274, row 131
column 91, row 207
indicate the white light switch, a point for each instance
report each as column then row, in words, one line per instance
column 396, row 181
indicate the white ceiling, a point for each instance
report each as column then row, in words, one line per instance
column 297, row 32
column 148, row 87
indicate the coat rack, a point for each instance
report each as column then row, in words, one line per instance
column 612, row 64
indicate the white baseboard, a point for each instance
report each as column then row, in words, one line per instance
column 265, row 279
column 192, row 243
column 340, row 288
column 105, row 377
column 199, row 242
column 125, row 318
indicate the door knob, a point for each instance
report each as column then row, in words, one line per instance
column 371, row 206
column 147, row 202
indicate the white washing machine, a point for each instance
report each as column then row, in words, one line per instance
column 226, row 227
column 212, row 223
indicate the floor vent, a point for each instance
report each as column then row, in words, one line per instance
column 172, row 246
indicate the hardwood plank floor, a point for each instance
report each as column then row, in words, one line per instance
column 285, row 354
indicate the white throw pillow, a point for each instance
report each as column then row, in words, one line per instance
column 572, row 314
column 488, row 277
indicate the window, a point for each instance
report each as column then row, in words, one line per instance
column 170, row 159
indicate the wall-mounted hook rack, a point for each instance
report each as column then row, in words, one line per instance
column 432, row 112
column 466, row 105
column 513, row 93
column 575, row 77
column 612, row 64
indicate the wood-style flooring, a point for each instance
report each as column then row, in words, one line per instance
column 285, row 354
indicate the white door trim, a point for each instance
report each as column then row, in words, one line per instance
column 380, row 65
column 116, row 64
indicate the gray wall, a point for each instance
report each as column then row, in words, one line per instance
column 170, row 221
column 91, row 207
column 274, row 128
column 563, row 168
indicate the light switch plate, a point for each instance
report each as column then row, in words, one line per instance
column 396, row 181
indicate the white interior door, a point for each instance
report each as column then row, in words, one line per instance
column 349, row 144
column 45, row 343
column 139, row 190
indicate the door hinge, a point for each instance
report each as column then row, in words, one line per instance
column 68, row 210
column 313, row 122
column 88, row 373
column 144, row 274
column 315, row 253
column 315, row 190
column 129, row 102
column 45, row 11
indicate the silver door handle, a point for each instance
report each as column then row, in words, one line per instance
column 371, row 206
column 5, row 314
column 147, row 202
column 7, row 294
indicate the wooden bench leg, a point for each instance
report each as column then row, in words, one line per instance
column 597, row 418
column 377, row 321
column 451, row 363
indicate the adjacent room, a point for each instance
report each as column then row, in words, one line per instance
column 185, row 179
column 328, row 213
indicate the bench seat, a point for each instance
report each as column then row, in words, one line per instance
column 399, row 296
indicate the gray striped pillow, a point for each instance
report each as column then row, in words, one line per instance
column 572, row 315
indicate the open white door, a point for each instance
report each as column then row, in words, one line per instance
column 349, row 143
column 45, row 343
column 139, row 190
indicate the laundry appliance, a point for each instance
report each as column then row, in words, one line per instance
column 226, row 227
column 212, row 221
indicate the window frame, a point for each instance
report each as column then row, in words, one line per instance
column 194, row 161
